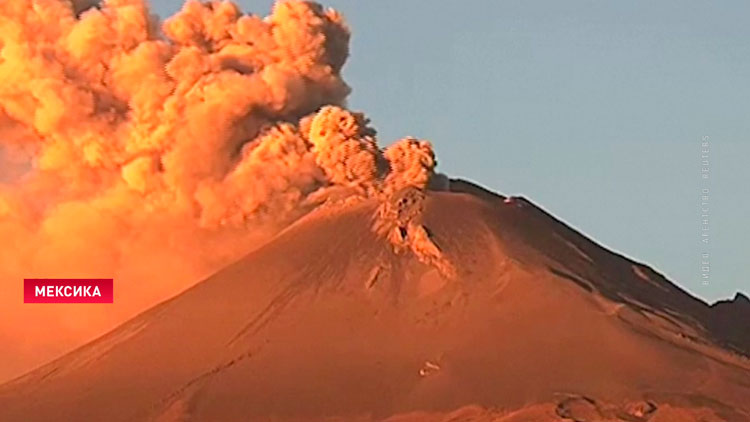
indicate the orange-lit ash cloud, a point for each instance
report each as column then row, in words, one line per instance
column 156, row 154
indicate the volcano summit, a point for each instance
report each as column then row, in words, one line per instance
column 445, row 305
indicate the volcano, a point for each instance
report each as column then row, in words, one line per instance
column 453, row 305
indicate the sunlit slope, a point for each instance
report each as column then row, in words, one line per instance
column 328, row 321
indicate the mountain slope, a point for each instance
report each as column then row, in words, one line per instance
column 512, row 315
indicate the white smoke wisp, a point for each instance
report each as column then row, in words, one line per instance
column 156, row 154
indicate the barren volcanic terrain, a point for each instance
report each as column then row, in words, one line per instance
column 458, row 305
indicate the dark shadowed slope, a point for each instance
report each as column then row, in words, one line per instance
column 526, row 320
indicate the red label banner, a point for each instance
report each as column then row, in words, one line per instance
column 68, row 290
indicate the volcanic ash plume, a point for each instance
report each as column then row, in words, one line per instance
column 157, row 156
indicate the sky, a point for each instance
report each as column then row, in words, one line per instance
column 599, row 112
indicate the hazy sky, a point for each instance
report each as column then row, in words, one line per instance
column 594, row 110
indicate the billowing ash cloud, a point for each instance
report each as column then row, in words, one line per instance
column 156, row 154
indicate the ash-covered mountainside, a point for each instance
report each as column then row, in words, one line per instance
column 425, row 306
